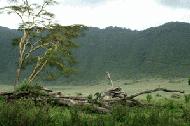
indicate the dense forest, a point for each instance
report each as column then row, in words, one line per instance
column 155, row 52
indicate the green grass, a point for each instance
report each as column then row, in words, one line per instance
column 132, row 86
column 6, row 87
column 26, row 113
column 162, row 112
column 129, row 86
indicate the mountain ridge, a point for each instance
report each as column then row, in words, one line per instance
column 155, row 52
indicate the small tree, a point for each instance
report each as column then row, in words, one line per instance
column 43, row 44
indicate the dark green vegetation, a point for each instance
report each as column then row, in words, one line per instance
column 35, row 108
column 7, row 54
column 25, row 112
column 156, row 52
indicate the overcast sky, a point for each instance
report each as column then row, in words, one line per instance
column 133, row 14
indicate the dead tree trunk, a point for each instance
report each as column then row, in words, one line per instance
column 103, row 105
column 109, row 79
column 22, row 48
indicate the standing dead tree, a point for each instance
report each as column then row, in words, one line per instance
column 109, row 79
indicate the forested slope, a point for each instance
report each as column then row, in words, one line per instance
column 155, row 52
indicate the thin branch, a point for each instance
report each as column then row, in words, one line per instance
column 37, row 72
column 19, row 16
column 32, row 49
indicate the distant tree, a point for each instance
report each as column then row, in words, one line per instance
column 43, row 44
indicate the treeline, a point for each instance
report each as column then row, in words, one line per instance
column 156, row 52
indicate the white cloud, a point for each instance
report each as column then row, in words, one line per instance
column 176, row 3
column 134, row 14
column 83, row 2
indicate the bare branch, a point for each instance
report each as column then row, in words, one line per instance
column 154, row 90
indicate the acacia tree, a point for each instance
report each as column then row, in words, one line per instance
column 43, row 43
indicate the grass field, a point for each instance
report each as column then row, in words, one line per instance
column 129, row 86
column 163, row 111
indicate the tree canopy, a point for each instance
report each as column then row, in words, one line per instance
column 43, row 44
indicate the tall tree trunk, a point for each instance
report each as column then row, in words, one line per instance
column 17, row 77
column 22, row 47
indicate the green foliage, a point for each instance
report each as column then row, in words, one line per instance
column 189, row 81
column 75, row 117
column 187, row 98
column 22, row 113
column 175, row 96
column 186, row 113
column 43, row 43
column 158, row 95
column 35, row 92
column 25, row 112
column 26, row 87
column 120, row 113
column 149, row 98
column 2, row 99
column 96, row 99
column 90, row 98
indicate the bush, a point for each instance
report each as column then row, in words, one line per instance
column 33, row 91
column 187, row 98
column 25, row 86
column 149, row 98
column 24, row 113
column 119, row 113
column 186, row 114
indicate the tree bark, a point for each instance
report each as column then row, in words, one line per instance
column 22, row 47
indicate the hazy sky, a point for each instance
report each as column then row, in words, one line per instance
column 133, row 14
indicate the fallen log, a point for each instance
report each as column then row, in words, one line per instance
column 46, row 89
column 151, row 91
column 6, row 93
column 115, row 93
column 101, row 109
column 102, row 105
column 74, row 98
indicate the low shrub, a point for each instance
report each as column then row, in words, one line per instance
column 24, row 113
column 25, row 86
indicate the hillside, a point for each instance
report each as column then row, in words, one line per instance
column 7, row 54
column 155, row 52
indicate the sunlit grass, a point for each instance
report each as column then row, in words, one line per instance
column 129, row 86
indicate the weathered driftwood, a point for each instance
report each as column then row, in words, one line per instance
column 74, row 98
column 107, row 99
column 115, row 93
column 46, row 89
column 70, row 102
column 151, row 91
column 5, row 93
